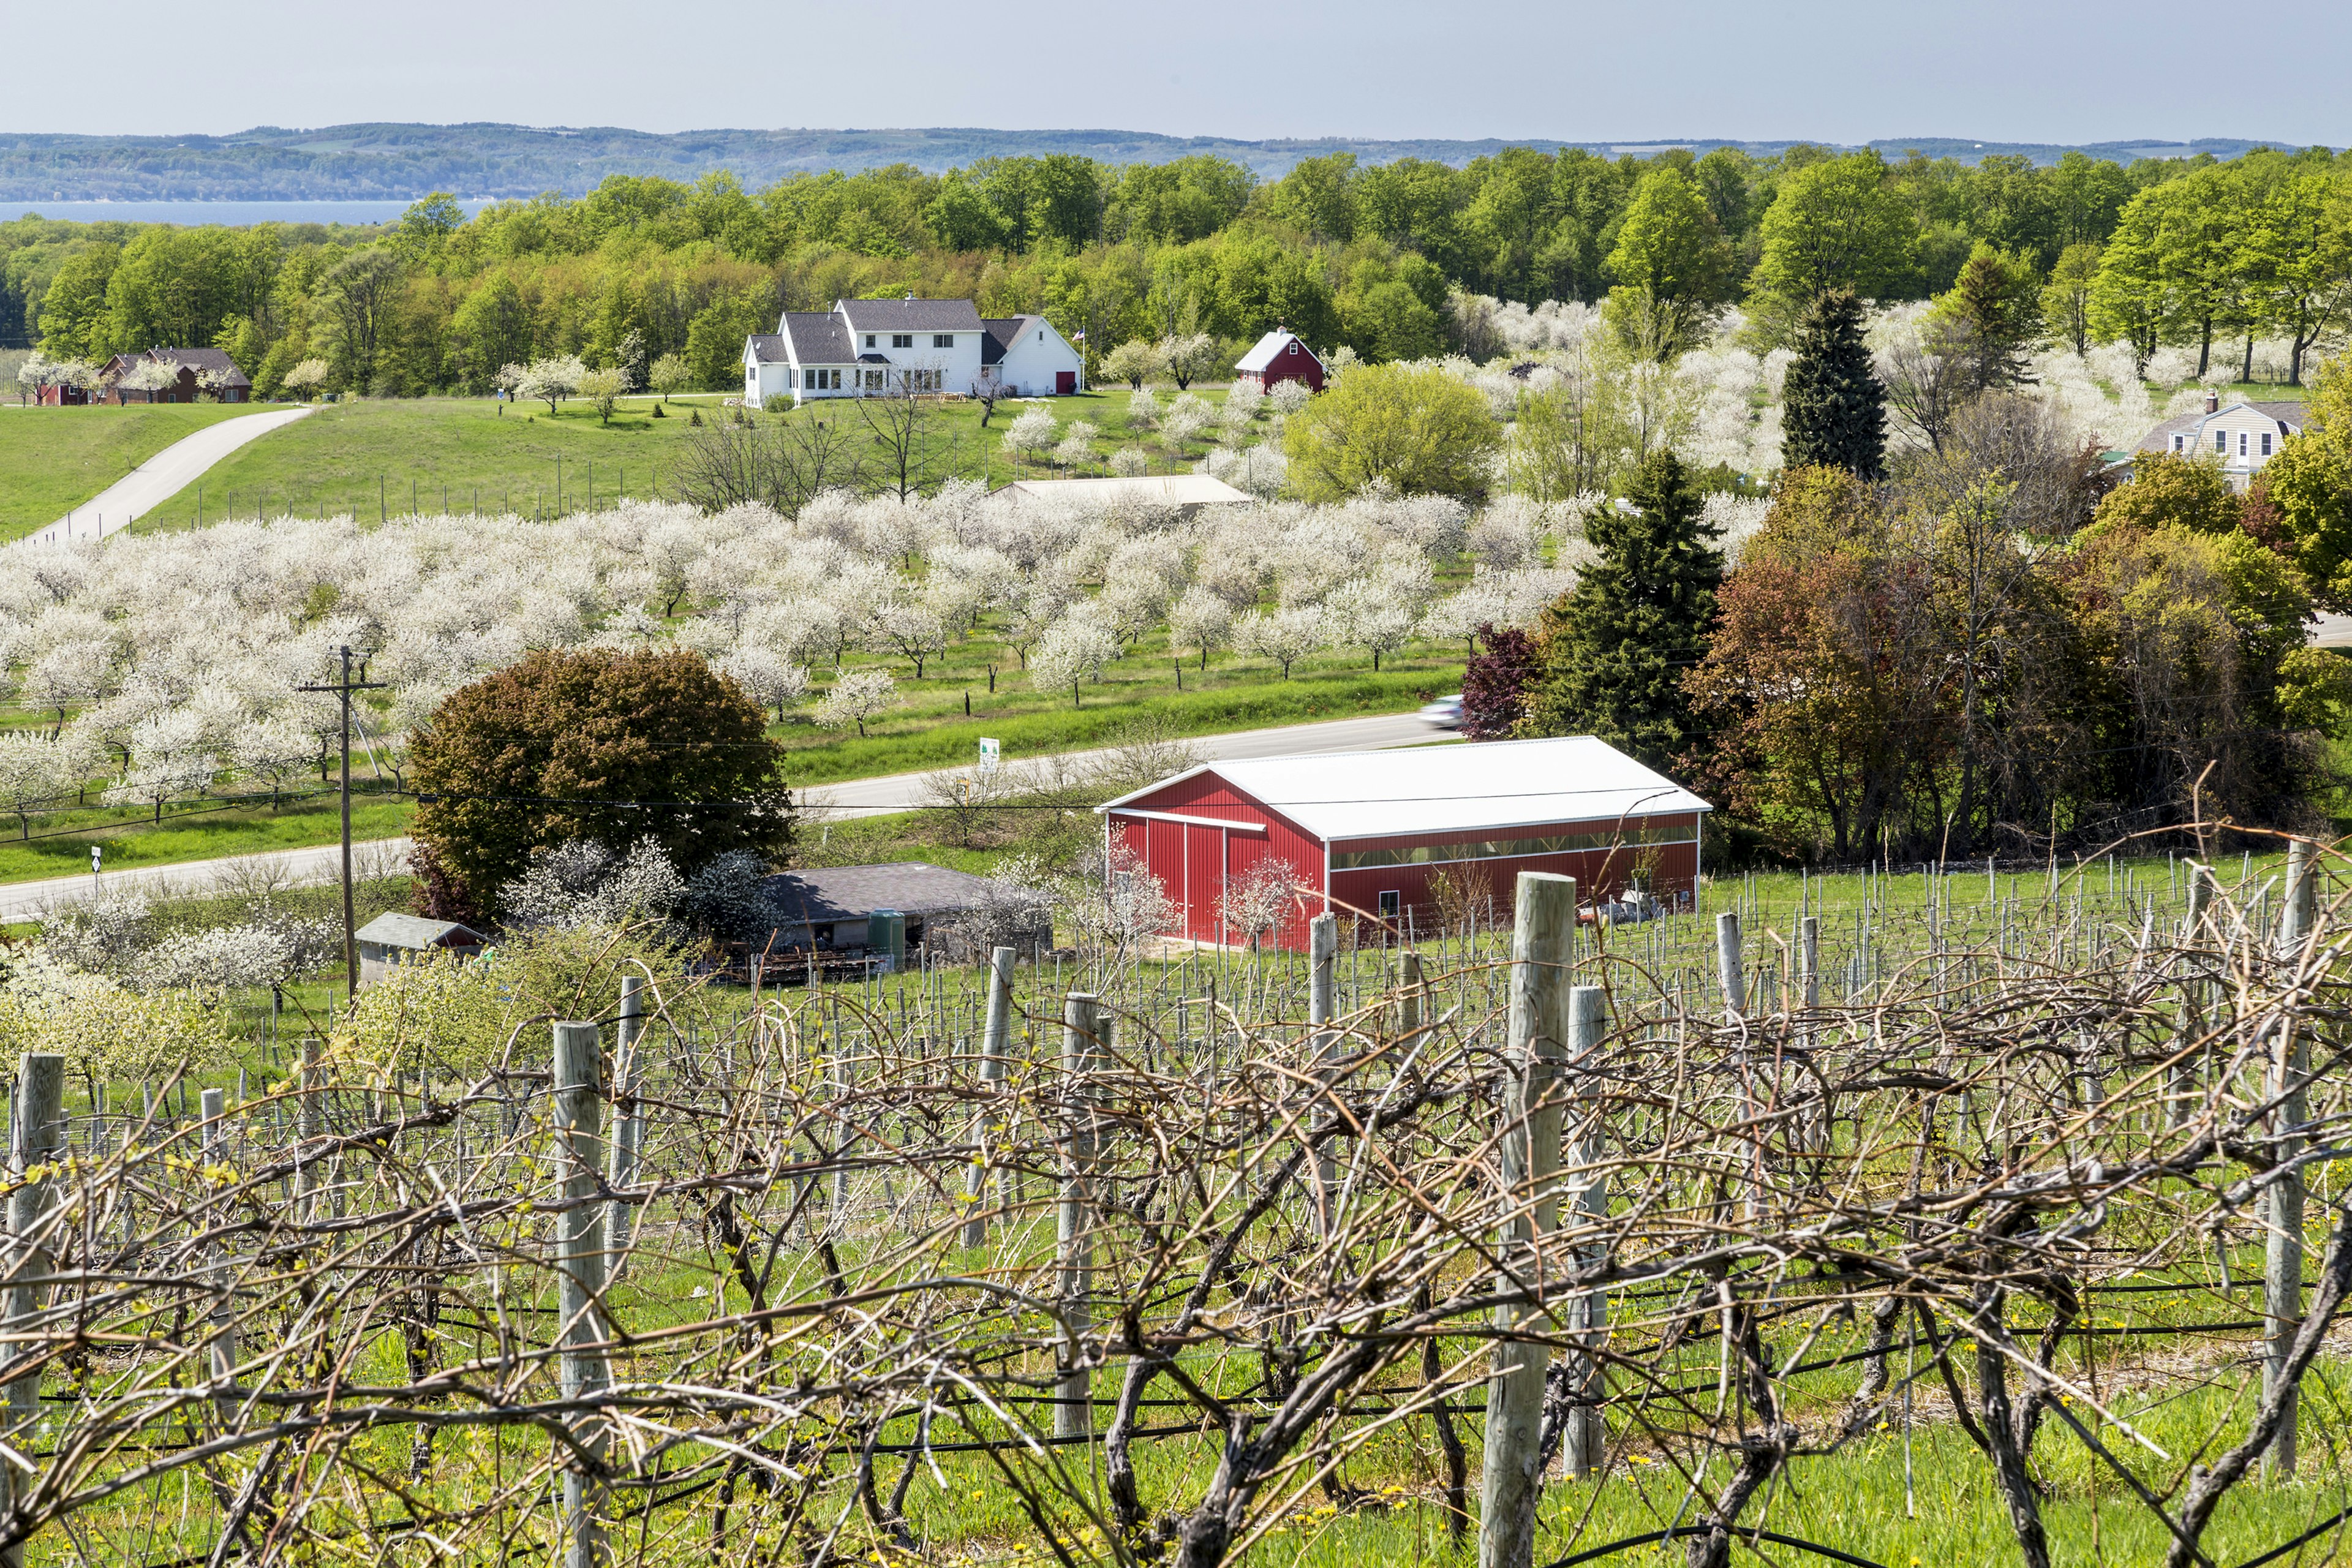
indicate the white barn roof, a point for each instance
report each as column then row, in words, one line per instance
column 1450, row 788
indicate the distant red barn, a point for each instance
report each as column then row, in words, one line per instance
column 1279, row 357
column 1364, row 832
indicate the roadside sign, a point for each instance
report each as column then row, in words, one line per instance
column 988, row 755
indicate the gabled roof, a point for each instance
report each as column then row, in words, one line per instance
column 2287, row 416
column 1449, row 789
column 909, row 315
column 853, row 892
column 999, row 334
column 817, row 337
column 1269, row 348
column 202, row 360
column 393, row 929
column 766, row 348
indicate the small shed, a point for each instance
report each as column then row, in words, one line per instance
column 1279, row 356
column 392, row 937
column 832, row 908
column 1368, row 832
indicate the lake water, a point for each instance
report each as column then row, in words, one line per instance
column 194, row 213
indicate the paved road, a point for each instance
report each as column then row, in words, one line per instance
column 859, row 797
column 162, row 477
column 291, row 867
column 904, row 792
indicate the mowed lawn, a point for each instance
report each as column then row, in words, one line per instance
column 55, row 460
column 389, row 456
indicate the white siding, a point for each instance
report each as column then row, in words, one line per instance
column 1030, row 361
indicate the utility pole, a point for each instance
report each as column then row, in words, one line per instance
column 343, row 689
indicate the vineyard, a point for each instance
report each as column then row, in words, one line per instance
column 2001, row 1208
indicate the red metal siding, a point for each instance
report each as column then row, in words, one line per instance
column 1361, row 889
column 1195, row 869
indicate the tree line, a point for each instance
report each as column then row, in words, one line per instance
column 1368, row 258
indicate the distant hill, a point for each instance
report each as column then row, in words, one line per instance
column 403, row 162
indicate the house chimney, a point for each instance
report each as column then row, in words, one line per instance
column 2212, row 401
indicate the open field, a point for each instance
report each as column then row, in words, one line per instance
column 53, row 459
column 383, row 456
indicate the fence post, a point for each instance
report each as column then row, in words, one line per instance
column 1808, row 960
column 1728, row 968
column 995, row 1034
column 1322, row 966
column 629, row 1119
column 2185, row 1072
column 310, row 1121
column 1511, row 1483
column 2282, row 1259
column 1585, row 1438
column 220, row 1352
column 1082, row 1023
column 40, row 1139
column 577, row 1114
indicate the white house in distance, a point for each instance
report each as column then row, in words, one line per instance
column 866, row 346
column 2241, row 437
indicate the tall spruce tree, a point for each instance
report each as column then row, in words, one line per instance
column 1834, row 406
column 1612, row 651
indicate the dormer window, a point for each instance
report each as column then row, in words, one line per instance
column 2178, row 440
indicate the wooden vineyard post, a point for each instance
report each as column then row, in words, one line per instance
column 1731, row 974
column 310, row 1112
column 1809, row 961
column 1511, row 1484
column 629, row 1118
column 2282, row 1258
column 220, row 1352
column 577, row 1116
column 985, row 1130
column 1585, row 1440
column 1322, row 965
column 2185, row 1070
column 40, row 1141
column 1082, row 1025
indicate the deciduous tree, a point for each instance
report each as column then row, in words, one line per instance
column 1420, row 430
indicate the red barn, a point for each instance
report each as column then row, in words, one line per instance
column 1279, row 357
column 1366, row 832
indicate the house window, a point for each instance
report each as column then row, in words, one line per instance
column 869, row 339
column 902, row 340
column 2241, row 443
column 1041, row 337
column 2266, row 443
column 1391, row 902
column 2222, row 442
column 2177, row 440
column 942, row 340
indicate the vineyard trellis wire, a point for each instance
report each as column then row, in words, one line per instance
column 1163, row 1265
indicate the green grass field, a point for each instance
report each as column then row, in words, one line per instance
column 55, row 460
column 463, row 455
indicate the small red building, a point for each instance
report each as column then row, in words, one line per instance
column 1279, row 357
column 1364, row 833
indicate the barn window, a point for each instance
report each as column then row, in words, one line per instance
column 1390, row 901
column 1291, row 350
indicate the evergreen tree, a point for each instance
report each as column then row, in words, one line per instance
column 1614, row 650
column 1833, row 407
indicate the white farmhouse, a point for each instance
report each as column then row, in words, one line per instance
column 2241, row 437
column 866, row 346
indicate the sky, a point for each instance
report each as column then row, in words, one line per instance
column 1835, row 71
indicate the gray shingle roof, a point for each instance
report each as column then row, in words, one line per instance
column 2289, row 417
column 393, row 929
column 999, row 334
column 202, row 360
column 768, row 348
column 853, row 892
column 818, row 337
column 910, row 315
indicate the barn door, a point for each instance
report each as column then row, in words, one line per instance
column 1204, row 880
